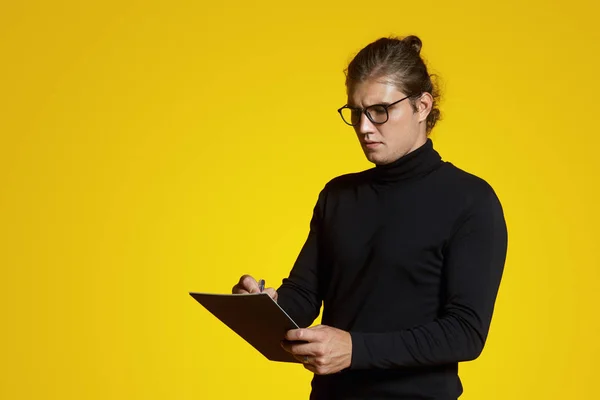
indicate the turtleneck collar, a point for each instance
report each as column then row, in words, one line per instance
column 418, row 162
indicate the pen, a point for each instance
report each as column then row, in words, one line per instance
column 261, row 285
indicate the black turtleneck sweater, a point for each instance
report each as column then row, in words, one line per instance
column 408, row 258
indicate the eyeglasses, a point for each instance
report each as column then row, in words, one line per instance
column 377, row 113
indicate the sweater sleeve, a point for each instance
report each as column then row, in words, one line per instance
column 299, row 294
column 473, row 265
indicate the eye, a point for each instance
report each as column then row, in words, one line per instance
column 377, row 110
column 355, row 116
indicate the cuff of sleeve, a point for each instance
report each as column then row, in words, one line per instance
column 361, row 358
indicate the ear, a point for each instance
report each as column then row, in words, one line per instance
column 424, row 105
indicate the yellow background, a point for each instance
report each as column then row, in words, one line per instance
column 149, row 149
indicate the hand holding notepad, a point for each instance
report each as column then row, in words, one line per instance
column 255, row 317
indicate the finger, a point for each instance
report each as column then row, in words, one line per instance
column 313, row 334
column 249, row 284
column 305, row 335
column 236, row 289
column 271, row 292
column 287, row 345
column 303, row 349
column 312, row 364
column 303, row 359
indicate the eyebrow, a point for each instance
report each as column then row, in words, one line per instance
column 382, row 103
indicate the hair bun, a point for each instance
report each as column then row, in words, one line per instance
column 414, row 42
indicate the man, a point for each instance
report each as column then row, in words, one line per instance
column 406, row 257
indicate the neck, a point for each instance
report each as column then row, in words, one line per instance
column 420, row 161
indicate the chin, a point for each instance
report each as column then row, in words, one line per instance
column 376, row 158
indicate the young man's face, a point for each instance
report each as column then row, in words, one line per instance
column 403, row 132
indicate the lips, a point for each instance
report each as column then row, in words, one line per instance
column 371, row 145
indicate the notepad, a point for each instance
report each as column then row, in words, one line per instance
column 256, row 318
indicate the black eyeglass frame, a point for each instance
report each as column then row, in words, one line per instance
column 366, row 112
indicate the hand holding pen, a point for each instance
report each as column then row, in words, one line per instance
column 248, row 284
